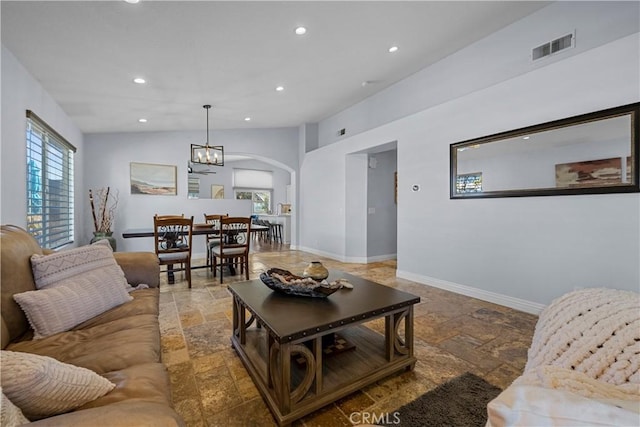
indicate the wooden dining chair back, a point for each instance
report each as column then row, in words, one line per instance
column 169, row 216
column 233, row 247
column 213, row 239
column 173, row 236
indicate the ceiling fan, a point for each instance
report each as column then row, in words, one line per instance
column 190, row 169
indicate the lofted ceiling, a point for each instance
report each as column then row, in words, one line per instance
column 233, row 55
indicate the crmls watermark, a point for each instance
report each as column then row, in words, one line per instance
column 373, row 418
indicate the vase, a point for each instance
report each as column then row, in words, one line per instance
column 316, row 271
column 101, row 235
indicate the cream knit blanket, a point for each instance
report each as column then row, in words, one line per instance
column 592, row 333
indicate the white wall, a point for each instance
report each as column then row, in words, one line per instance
column 21, row 92
column 108, row 157
column 521, row 252
column 323, row 204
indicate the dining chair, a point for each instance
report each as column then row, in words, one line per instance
column 173, row 243
column 233, row 247
column 212, row 239
column 171, row 216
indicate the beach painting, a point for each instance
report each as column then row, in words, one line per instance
column 149, row 178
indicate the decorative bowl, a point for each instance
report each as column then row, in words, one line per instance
column 285, row 282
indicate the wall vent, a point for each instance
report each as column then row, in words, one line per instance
column 554, row 46
column 342, row 131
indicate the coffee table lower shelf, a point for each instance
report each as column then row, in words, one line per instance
column 326, row 379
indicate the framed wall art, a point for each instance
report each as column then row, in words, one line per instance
column 154, row 179
column 590, row 173
column 217, row 191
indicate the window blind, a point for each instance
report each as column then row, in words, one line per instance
column 50, row 198
column 252, row 178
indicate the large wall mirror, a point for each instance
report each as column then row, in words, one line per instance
column 201, row 182
column 587, row 154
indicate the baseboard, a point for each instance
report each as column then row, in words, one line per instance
column 380, row 258
column 350, row 260
column 515, row 303
column 322, row 253
column 369, row 260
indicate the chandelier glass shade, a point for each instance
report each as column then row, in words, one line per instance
column 207, row 154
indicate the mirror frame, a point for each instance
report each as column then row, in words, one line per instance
column 632, row 110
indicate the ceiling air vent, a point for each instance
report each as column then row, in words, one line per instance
column 554, row 46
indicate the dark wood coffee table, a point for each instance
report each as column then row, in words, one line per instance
column 289, row 327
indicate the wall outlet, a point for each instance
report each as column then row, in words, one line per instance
column 372, row 211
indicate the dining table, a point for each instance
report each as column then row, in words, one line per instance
column 201, row 229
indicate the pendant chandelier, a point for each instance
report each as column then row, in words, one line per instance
column 207, row 154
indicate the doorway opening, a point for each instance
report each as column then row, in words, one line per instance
column 371, row 205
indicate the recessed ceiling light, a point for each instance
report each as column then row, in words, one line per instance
column 132, row 1
column 393, row 49
column 280, row 88
column 247, row 119
column 526, row 137
column 301, row 31
column 142, row 120
column 139, row 80
column 369, row 82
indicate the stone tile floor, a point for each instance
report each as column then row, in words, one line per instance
column 453, row 334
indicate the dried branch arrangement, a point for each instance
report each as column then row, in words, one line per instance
column 103, row 208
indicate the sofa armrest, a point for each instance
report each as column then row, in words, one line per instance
column 139, row 267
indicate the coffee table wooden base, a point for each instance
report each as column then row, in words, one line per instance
column 293, row 390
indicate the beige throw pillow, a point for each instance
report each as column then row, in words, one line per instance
column 10, row 414
column 42, row 386
column 94, row 263
column 60, row 308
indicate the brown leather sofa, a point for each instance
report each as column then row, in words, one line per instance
column 122, row 344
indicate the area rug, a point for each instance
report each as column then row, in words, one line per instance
column 459, row 402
